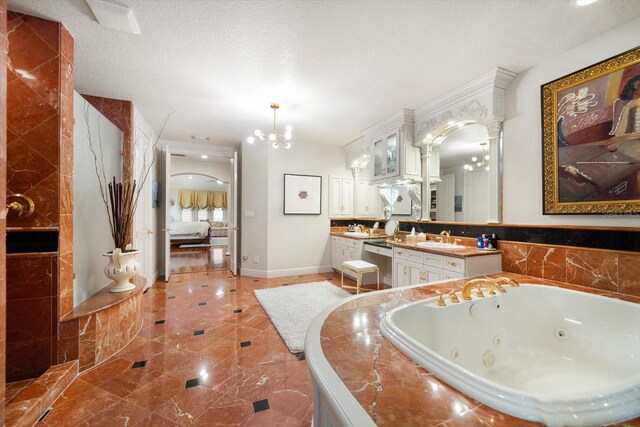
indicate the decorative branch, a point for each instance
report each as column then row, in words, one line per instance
column 121, row 198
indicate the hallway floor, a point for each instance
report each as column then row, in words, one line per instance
column 207, row 354
column 198, row 259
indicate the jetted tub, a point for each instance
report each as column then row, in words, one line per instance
column 540, row 353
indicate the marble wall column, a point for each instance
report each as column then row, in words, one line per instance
column 39, row 165
column 3, row 199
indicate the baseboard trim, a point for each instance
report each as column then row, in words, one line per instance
column 269, row 274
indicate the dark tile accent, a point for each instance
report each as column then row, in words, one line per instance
column 198, row 332
column 618, row 240
column 160, row 322
column 300, row 357
column 204, row 286
column 31, row 241
column 192, row 383
column 245, row 344
column 233, row 290
column 139, row 364
column 237, row 310
column 171, row 297
column 285, row 284
column 261, row 405
column 255, row 280
column 44, row 415
column 202, row 303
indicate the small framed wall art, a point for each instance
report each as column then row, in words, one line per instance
column 302, row 194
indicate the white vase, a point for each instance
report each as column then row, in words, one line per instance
column 121, row 268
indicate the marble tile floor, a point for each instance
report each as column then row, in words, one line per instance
column 196, row 259
column 207, row 354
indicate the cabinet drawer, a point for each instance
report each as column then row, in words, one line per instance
column 414, row 256
column 335, row 239
column 400, row 253
column 452, row 275
column 453, row 264
column 433, row 260
column 354, row 243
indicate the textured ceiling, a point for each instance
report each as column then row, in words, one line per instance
column 335, row 67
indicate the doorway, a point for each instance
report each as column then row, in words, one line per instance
column 199, row 192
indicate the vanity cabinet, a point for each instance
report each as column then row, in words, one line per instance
column 340, row 197
column 367, row 200
column 411, row 267
column 343, row 249
column 394, row 158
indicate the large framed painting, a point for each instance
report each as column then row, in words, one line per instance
column 591, row 139
column 302, row 194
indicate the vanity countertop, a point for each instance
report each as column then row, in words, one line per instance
column 385, row 383
column 469, row 251
column 370, row 237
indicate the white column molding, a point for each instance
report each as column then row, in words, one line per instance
column 425, row 155
column 494, row 133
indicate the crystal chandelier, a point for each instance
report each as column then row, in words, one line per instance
column 275, row 137
column 481, row 163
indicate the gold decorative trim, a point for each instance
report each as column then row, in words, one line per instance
column 549, row 93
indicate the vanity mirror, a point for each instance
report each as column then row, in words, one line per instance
column 461, row 191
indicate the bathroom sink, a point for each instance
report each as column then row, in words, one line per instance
column 541, row 353
column 356, row 234
column 430, row 244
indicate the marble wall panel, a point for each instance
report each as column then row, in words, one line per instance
column 615, row 271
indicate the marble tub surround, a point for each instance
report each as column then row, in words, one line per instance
column 25, row 407
column 391, row 388
column 614, row 271
column 3, row 198
column 101, row 326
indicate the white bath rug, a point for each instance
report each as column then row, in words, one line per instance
column 292, row 308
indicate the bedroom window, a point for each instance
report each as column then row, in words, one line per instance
column 202, row 215
column 185, row 215
column 218, row 214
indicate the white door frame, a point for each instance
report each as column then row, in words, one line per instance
column 232, row 155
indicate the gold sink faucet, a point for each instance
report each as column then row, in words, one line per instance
column 361, row 228
column 446, row 236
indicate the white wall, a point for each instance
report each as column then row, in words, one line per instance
column 523, row 134
column 285, row 244
column 147, row 218
column 254, row 193
column 91, row 233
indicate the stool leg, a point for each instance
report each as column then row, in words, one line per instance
column 342, row 278
column 358, row 280
column 378, row 274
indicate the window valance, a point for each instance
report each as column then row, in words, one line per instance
column 198, row 199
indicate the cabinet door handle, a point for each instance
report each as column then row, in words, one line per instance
column 453, row 264
column 405, row 270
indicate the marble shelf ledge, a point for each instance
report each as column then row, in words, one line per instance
column 101, row 326
column 104, row 299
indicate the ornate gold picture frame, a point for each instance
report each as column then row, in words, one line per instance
column 591, row 139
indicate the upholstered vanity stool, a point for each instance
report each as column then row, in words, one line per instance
column 359, row 267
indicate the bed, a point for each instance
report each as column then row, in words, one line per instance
column 218, row 229
column 190, row 232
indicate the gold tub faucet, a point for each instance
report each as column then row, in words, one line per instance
column 478, row 284
column 507, row 281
